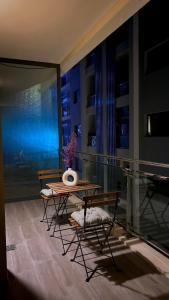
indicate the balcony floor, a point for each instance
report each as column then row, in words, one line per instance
column 38, row 271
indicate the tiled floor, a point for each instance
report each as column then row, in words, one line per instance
column 37, row 269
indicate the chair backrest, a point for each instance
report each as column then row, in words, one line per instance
column 44, row 175
column 102, row 199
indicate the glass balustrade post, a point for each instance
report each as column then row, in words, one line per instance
column 136, row 199
column 129, row 202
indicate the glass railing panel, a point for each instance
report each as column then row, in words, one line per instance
column 149, row 201
column 108, row 175
column 144, row 193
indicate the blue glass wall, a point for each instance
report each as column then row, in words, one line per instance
column 30, row 138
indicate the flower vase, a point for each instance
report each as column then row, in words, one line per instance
column 71, row 173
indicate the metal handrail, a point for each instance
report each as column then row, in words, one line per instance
column 124, row 159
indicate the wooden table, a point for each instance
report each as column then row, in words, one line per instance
column 61, row 188
column 64, row 191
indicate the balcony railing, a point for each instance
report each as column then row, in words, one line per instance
column 144, row 189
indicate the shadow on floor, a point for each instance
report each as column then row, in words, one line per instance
column 17, row 290
column 163, row 297
column 131, row 265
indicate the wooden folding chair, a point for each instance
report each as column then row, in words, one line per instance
column 49, row 197
column 45, row 175
column 91, row 222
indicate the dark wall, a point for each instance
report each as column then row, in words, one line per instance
column 154, row 77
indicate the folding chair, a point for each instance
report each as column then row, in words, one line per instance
column 49, row 197
column 91, row 222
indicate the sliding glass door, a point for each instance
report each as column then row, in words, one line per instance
column 29, row 115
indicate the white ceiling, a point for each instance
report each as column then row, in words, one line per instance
column 59, row 31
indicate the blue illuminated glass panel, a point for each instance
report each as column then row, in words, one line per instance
column 30, row 138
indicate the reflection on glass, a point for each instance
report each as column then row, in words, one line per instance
column 30, row 139
column 143, row 208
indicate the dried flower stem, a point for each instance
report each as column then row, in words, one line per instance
column 69, row 150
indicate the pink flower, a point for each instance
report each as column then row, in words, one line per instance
column 69, row 151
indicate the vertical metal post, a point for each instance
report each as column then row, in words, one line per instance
column 105, row 129
column 3, row 260
column 83, row 100
column 134, row 122
column 59, row 104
